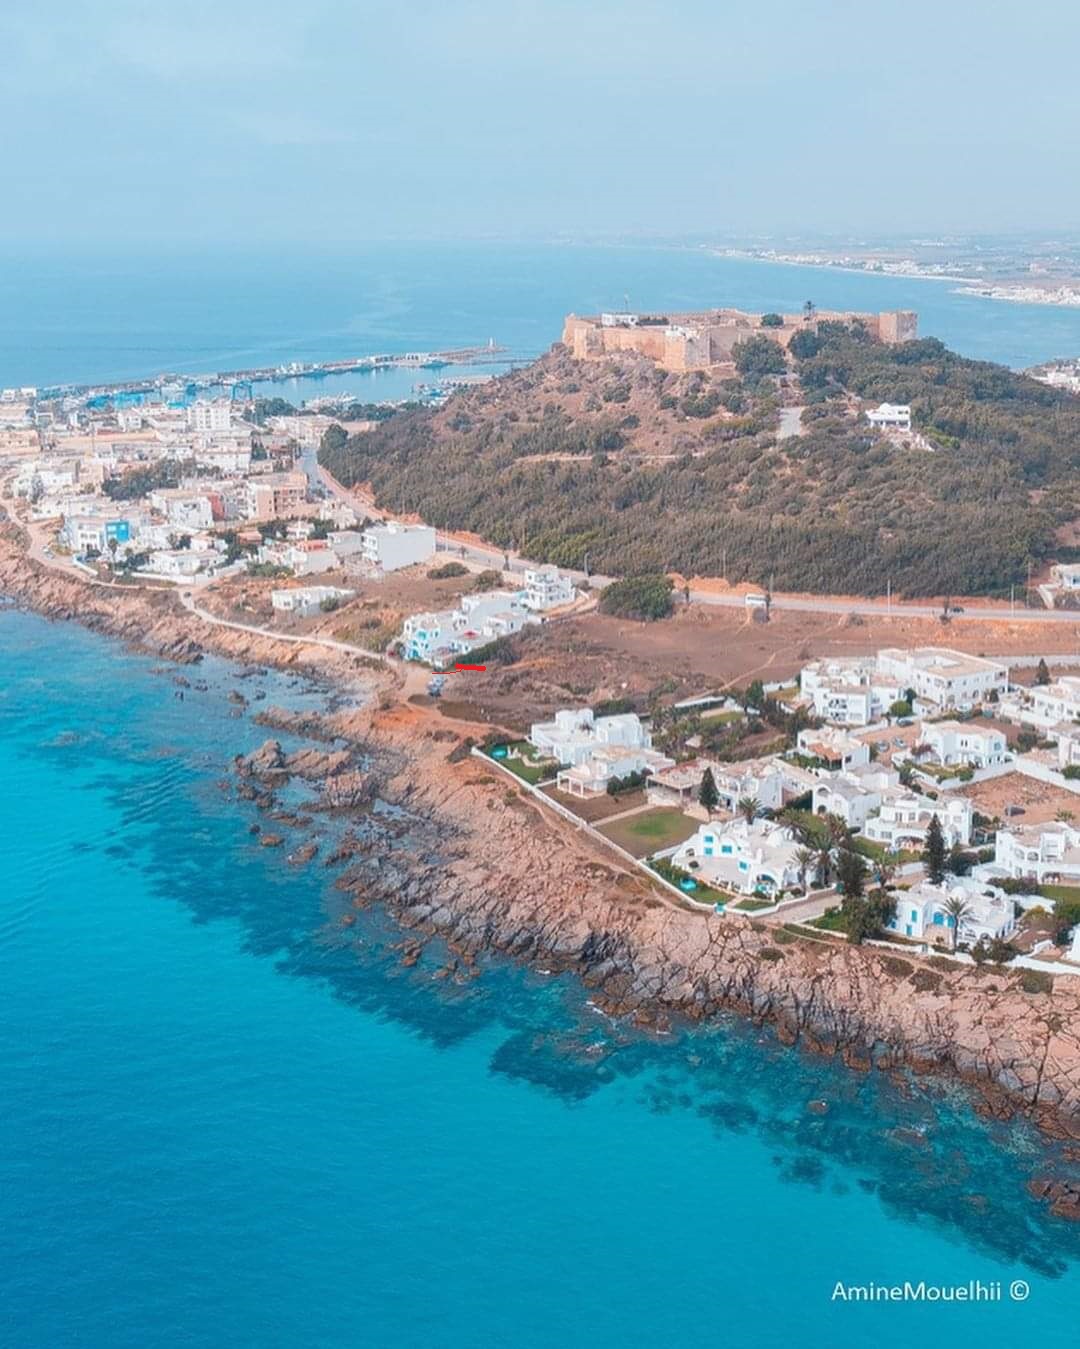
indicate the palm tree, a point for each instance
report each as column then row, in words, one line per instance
column 796, row 821
column 748, row 808
column 823, row 852
column 886, row 868
column 839, row 833
column 804, row 860
column 957, row 908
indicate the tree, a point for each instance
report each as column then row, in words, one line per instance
column 708, row 796
column 850, row 873
column 772, row 320
column 865, row 917
column 748, row 808
column 1042, row 673
column 934, row 851
column 646, row 597
column 757, row 356
column 886, row 868
column 957, row 908
column 804, row 860
column 805, row 344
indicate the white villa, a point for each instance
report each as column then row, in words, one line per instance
column 1068, row 744
column 921, row 912
column 836, row 748
column 965, row 742
column 1043, row 852
column 894, row 415
column 942, row 677
column 1045, row 706
column 741, row 856
column 590, row 776
column 592, row 750
column 905, row 816
column 438, row 637
column 546, row 588
column 844, row 691
column 856, row 794
column 306, row 600
column 576, row 732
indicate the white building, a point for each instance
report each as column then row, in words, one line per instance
column 232, row 458
column 183, row 507
column 836, row 749
column 591, row 776
column 921, row 912
column 546, row 588
column 391, row 546
column 965, row 742
column 108, row 535
column 1043, row 852
column 575, row 733
column 854, row 794
column 205, row 415
column 844, row 691
column 437, row 637
column 757, row 857
column 905, row 816
column 895, row 416
column 947, row 679
column 307, row 600
column 1066, row 575
column 304, row 557
column 1045, row 706
column 183, row 563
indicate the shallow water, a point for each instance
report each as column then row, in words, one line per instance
column 228, row 1120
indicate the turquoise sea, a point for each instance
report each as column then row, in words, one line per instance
column 228, row 1120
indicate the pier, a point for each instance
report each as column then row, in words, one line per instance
column 490, row 353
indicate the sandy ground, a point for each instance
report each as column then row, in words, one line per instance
column 1039, row 801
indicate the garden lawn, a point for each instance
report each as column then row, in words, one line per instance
column 650, row 831
column 525, row 763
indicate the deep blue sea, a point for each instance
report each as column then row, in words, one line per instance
column 227, row 1120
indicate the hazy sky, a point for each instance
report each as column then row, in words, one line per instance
column 314, row 120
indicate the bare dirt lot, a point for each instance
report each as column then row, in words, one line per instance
column 701, row 650
column 1039, row 801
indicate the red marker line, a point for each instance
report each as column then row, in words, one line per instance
column 470, row 667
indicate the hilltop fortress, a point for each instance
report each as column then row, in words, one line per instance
column 698, row 341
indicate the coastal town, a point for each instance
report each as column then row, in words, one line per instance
column 921, row 797
column 786, row 789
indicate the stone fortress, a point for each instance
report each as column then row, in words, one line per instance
column 697, row 341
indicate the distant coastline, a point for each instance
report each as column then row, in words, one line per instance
column 1063, row 297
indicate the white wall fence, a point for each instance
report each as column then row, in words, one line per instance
column 585, row 827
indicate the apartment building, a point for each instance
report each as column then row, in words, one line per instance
column 391, row 546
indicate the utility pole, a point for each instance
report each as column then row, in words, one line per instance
column 724, row 567
column 888, row 595
column 1012, row 599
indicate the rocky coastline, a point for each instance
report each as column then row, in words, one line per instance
column 481, row 866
